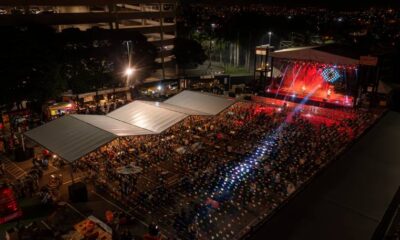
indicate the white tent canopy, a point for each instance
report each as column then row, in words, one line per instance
column 74, row 136
column 148, row 116
column 70, row 137
column 209, row 104
column 175, row 108
column 313, row 54
column 112, row 125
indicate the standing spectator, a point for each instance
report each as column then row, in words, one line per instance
column 2, row 168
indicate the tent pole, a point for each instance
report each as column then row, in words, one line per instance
column 71, row 172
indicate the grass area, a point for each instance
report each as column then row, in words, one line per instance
column 231, row 70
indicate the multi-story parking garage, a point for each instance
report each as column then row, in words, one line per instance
column 156, row 19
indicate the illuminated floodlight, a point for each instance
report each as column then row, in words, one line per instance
column 159, row 87
column 330, row 75
column 130, row 71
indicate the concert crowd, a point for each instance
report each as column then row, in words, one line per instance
column 214, row 177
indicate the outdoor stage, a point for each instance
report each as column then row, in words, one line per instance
column 313, row 76
column 319, row 98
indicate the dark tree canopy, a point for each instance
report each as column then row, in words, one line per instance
column 37, row 64
column 188, row 53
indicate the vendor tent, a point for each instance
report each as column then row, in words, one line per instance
column 70, row 137
column 148, row 116
column 208, row 104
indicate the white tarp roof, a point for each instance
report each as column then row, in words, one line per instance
column 147, row 116
column 312, row 54
column 112, row 125
column 74, row 136
column 208, row 104
column 70, row 137
column 174, row 108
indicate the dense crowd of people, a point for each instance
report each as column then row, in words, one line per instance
column 211, row 177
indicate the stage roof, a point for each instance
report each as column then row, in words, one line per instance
column 69, row 137
column 324, row 54
column 73, row 136
column 148, row 116
column 203, row 102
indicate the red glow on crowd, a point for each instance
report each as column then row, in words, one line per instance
column 302, row 79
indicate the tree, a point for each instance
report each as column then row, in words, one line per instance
column 30, row 65
column 97, row 58
column 188, row 53
column 37, row 64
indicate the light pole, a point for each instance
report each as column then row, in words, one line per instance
column 269, row 38
column 213, row 26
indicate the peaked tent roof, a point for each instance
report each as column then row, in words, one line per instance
column 112, row 125
column 74, row 136
column 175, row 108
column 148, row 116
column 201, row 102
column 316, row 54
column 70, row 137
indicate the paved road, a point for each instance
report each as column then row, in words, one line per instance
column 348, row 200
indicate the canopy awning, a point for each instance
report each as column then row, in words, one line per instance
column 314, row 54
column 73, row 136
column 148, row 116
column 209, row 104
column 174, row 108
column 69, row 137
column 112, row 125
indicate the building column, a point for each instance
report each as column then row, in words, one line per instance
column 162, row 40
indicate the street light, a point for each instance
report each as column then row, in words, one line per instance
column 269, row 38
column 129, row 71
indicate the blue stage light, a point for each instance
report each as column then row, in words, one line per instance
column 330, row 74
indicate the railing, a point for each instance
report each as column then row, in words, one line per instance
column 390, row 220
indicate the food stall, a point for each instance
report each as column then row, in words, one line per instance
column 90, row 228
column 57, row 109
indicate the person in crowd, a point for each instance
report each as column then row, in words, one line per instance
column 250, row 157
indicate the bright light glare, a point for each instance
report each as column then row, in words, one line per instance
column 159, row 87
column 129, row 71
